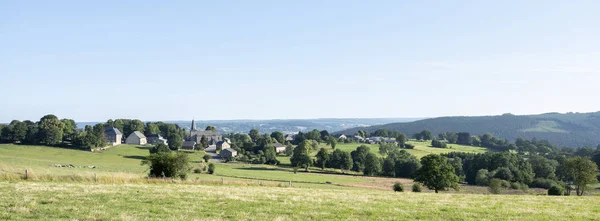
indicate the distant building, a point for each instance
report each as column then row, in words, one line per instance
column 289, row 137
column 156, row 139
column 113, row 136
column 279, row 148
column 223, row 145
column 212, row 137
column 342, row 137
column 228, row 153
column 136, row 138
column 359, row 138
column 189, row 145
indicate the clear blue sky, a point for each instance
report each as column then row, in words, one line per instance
column 168, row 60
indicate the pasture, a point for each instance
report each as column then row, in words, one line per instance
column 87, row 201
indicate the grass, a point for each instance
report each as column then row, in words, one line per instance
column 83, row 201
column 421, row 148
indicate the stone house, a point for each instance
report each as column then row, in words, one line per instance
column 113, row 136
column 279, row 148
column 189, row 145
column 136, row 138
column 223, row 145
column 228, row 153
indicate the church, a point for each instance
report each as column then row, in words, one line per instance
column 196, row 135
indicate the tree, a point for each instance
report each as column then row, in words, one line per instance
column 160, row 148
column 206, row 158
column 289, row 150
column 168, row 164
column 438, row 144
column 211, row 128
column 340, row 160
column 436, row 173
column 204, row 141
column 424, row 135
column 482, row 178
column 211, row 168
column 324, row 135
column 331, row 141
column 175, row 141
column 401, row 139
column 254, row 134
column 151, row 128
column 584, row 172
column 388, row 167
column 136, row 125
column 464, row 138
column 68, row 129
column 358, row 158
column 270, row 154
column 51, row 130
column 372, row 165
column 278, row 136
column 322, row 158
column 301, row 157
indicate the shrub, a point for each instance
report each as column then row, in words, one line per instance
column 482, row 178
column 167, row 164
column 543, row 183
column 197, row 170
column 211, row 168
column 556, row 191
column 503, row 173
column 409, row 146
column 515, row 186
column 416, row 188
column 206, row 158
column 398, row 187
column 495, row 186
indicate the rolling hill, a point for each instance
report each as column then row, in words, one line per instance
column 570, row 129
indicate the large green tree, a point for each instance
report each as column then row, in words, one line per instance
column 359, row 157
column 211, row 128
column 584, row 172
column 278, row 136
column 322, row 158
column 340, row 159
column 254, row 134
column 372, row 165
column 51, row 130
column 436, row 173
column 301, row 155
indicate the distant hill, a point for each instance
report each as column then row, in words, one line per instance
column 570, row 129
column 284, row 126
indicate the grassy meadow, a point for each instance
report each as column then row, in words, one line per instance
column 86, row 201
column 421, row 148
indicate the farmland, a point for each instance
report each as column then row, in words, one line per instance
column 83, row 201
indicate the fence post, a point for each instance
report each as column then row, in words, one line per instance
column 26, row 173
column 95, row 178
column 222, row 180
column 290, row 183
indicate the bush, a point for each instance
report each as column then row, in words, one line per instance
column 211, row 168
column 167, row 164
column 206, row 158
column 556, row 191
column 197, row 170
column 503, row 173
column 495, row 186
column 409, row 146
column 543, row 183
column 416, row 188
column 482, row 178
column 515, row 186
column 398, row 187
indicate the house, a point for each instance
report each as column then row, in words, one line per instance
column 156, row 139
column 189, row 145
column 228, row 153
column 279, row 148
column 342, row 137
column 289, row 137
column 113, row 136
column 136, row 138
column 359, row 138
column 212, row 137
column 223, row 145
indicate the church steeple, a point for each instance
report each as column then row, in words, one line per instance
column 193, row 125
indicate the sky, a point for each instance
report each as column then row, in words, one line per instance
column 219, row 60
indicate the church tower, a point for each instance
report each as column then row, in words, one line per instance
column 193, row 128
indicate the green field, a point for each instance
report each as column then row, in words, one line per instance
column 84, row 201
column 421, row 148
